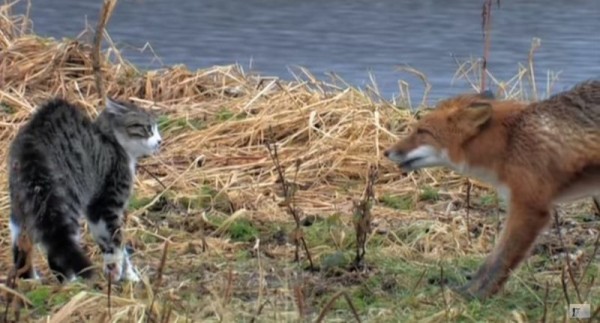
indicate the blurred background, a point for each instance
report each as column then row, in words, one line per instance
column 349, row 37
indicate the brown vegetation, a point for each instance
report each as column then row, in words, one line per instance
column 208, row 220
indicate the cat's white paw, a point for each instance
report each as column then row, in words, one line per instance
column 130, row 275
column 119, row 267
column 130, row 271
column 113, row 265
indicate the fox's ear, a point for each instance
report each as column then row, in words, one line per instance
column 421, row 112
column 478, row 113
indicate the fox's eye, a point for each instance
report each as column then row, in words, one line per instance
column 421, row 131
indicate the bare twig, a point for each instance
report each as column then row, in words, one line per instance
column 443, row 287
column 161, row 268
column 299, row 297
column 260, row 309
column 418, row 281
column 468, row 206
column 596, row 313
column 486, row 24
column 568, row 258
column 596, row 205
column 563, row 282
column 108, row 296
column 288, row 193
column 546, row 302
column 229, row 288
column 535, row 44
column 153, row 176
column 166, row 314
column 423, row 79
column 362, row 217
column 105, row 14
column 329, row 304
column 592, row 258
column 25, row 248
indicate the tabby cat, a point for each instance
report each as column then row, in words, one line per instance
column 63, row 165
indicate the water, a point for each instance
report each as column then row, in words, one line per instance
column 349, row 37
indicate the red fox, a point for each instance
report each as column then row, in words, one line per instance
column 535, row 154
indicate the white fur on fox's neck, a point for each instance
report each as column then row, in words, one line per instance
column 426, row 156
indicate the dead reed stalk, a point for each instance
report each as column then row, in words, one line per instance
column 25, row 248
column 158, row 281
column 362, row 217
column 567, row 257
column 330, row 303
column 214, row 122
column 107, row 9
column 288, row 193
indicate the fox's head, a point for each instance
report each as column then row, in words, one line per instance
column 438, row 138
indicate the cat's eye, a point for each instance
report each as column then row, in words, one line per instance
column 139, row 130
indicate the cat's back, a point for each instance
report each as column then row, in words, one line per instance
column 55, row 114
column 57, row 130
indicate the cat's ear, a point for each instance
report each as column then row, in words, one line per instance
column 114, row 107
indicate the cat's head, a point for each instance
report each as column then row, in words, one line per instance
column 133, row 127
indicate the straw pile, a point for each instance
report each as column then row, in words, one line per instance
column 215, row 123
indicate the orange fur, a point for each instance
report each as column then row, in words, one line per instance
column 536, row 154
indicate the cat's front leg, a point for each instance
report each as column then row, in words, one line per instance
column 118, row 265
column 130, row 272
column 105, row 220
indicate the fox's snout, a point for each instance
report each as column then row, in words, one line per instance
column 395, row 154
column 392, row 151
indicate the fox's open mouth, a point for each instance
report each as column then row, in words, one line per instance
column 407, row 164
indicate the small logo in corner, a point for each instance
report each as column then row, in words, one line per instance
column 579, row 311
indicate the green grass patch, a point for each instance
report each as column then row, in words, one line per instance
column 411, row 233
column 207, row 198
column 329, row 232
column 403, row 203
column 225, row 114
column 489, row 200
column 38, row 298
column 136, row 202
column 177, row 125
column 242, row 230
column 429, row 194
column 7, row 109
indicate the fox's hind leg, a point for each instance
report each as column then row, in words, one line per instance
column 597, row 204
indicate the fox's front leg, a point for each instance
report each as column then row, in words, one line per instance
column 523, row 225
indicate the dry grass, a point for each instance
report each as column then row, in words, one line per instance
column 213, row 195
